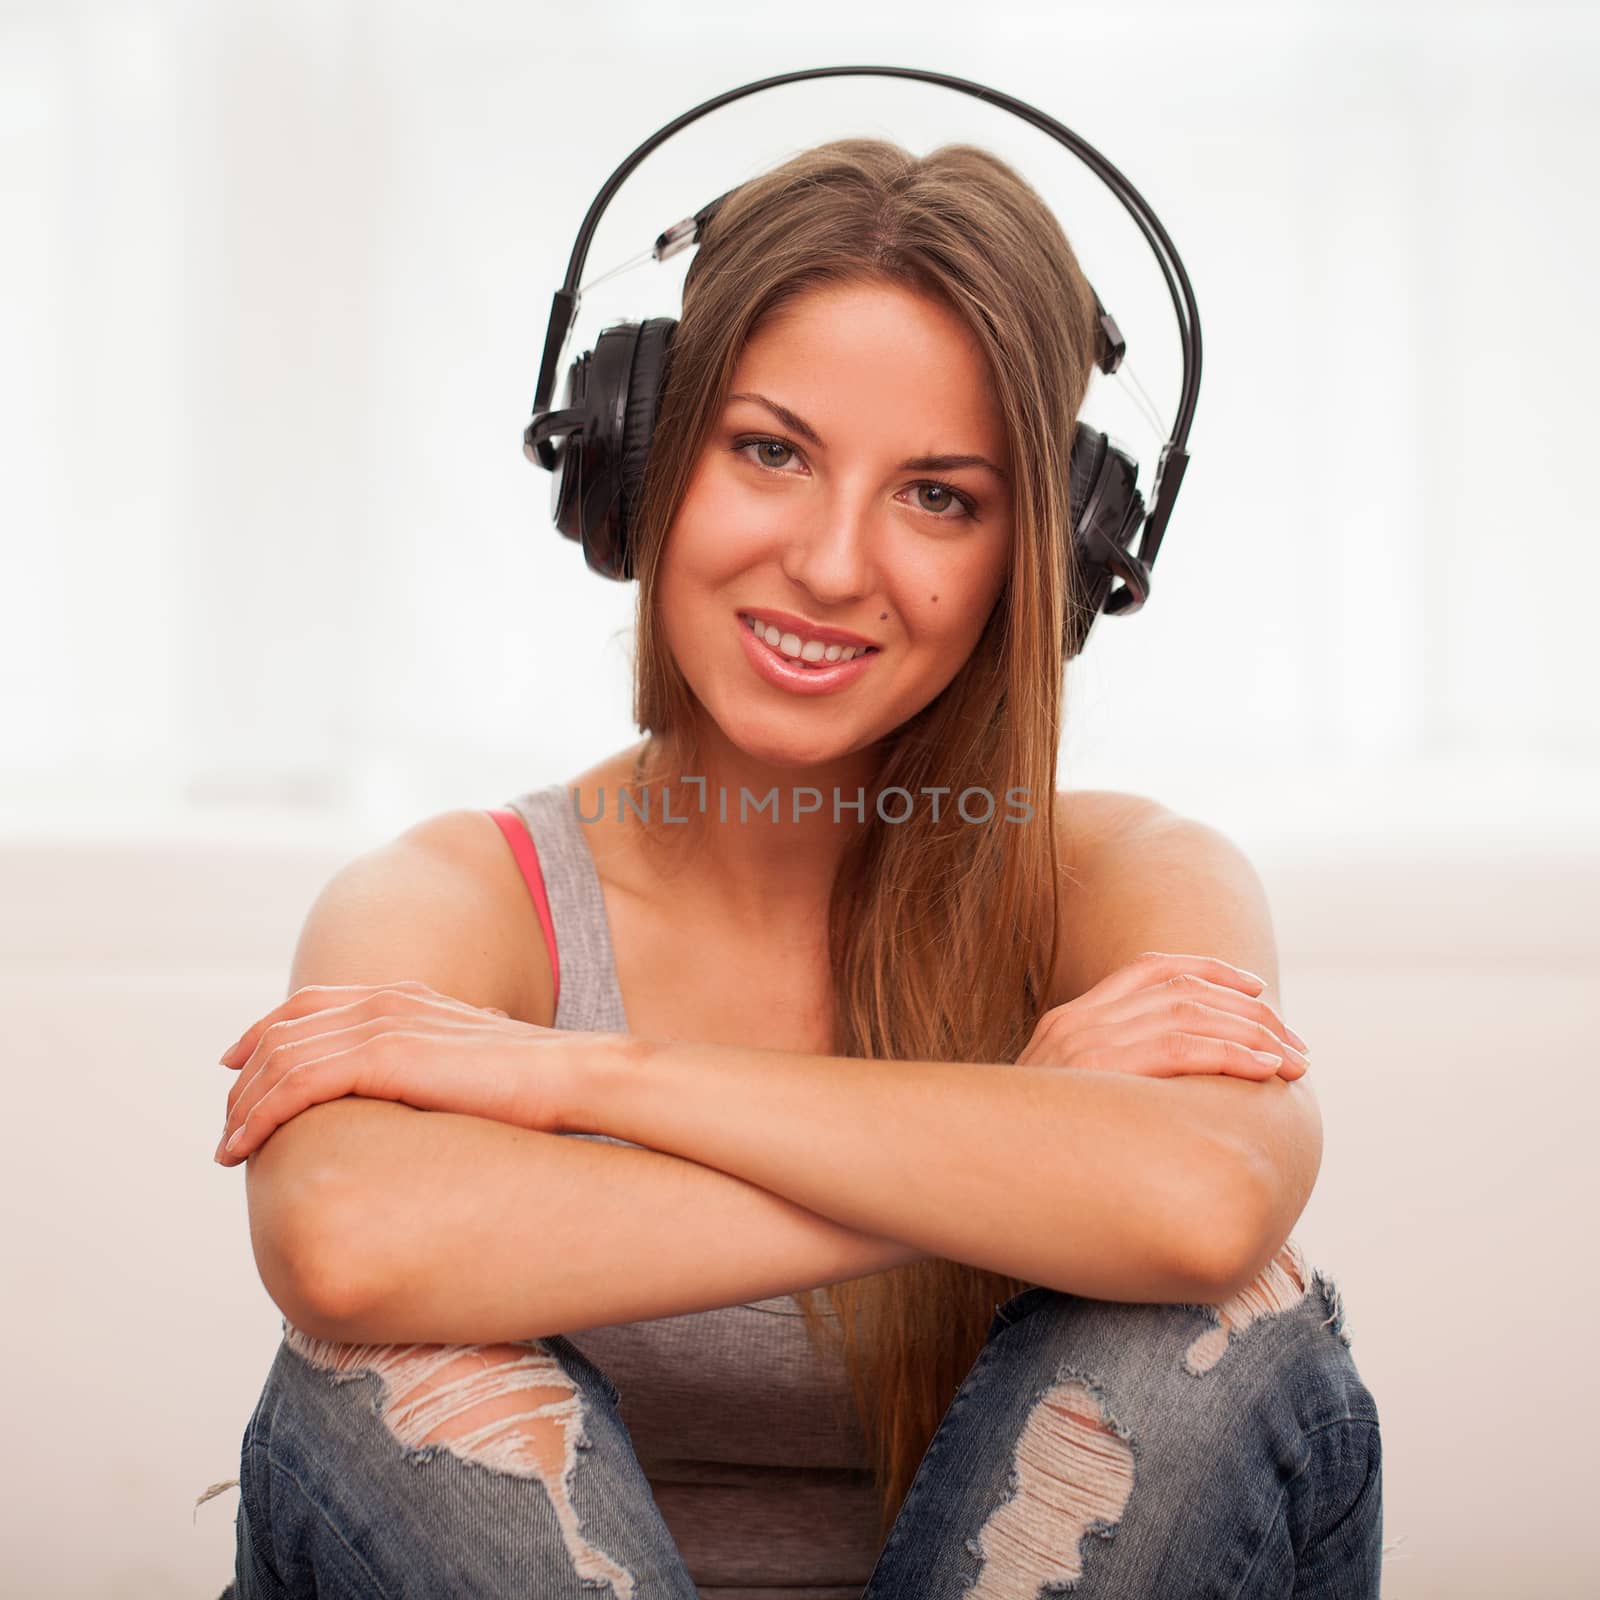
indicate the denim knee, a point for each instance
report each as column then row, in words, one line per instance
column 1152, row 1448
column 415, row 1470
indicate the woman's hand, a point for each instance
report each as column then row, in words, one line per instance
column 399, row 1041
column 1167, row 1016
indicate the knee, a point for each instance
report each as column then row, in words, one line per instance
column 1283, row 1286
column 509, row 1407
column 1290, row 1316
column 1077, row 1461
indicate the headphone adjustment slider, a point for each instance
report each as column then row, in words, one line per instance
column 678, row 237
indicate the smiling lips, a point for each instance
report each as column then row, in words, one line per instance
column 792, row 673
column 808, row 652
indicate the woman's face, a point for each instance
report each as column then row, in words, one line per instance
column 829, row 513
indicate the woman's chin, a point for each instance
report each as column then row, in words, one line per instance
column 758, row 737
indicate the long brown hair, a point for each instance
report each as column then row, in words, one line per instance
column 941, row 935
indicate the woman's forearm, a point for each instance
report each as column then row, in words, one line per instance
column 453, row 1229
column 1110, row 1185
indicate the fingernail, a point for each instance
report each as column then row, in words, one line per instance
column 1294, row 1038
column 238, row 1134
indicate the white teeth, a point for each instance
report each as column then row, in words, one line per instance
column 790, row 645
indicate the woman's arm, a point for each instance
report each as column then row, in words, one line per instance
column 377, row 1221
column 454, row 1230
column 436, row 904
column 446, row 1228
column 1104, row 1184
column 1150, row 879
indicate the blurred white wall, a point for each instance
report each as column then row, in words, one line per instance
column 276, row 581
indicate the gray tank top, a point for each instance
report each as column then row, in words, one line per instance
column 747, row 1437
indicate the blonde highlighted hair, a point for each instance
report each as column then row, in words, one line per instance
column 941, row 935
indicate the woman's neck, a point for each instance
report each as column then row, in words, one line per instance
column 750, row 840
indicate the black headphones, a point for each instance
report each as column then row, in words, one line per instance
column 608, row 413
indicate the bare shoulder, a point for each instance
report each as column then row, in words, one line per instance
column 470, row 843
column 1092, row 828
column 443, row 902
column 1138, row 877
column 1087, row 819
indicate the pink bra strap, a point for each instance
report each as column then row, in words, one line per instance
column 516, row 832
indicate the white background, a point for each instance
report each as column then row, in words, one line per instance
column 276, row 286
column 276, row 581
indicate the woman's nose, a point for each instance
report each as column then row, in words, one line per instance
column 832, row 557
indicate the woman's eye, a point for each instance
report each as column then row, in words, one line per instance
column 950, row 497
column 761, row 446
column 945, row 494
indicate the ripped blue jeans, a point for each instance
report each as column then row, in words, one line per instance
column 1095, row 1447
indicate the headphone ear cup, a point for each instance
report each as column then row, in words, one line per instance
column 652, row 354
column 1107, row 511
column 587, row 493
column 566, row 479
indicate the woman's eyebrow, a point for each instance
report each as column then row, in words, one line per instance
column 946, row 463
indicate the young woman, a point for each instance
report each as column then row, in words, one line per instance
column 884, row 1190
